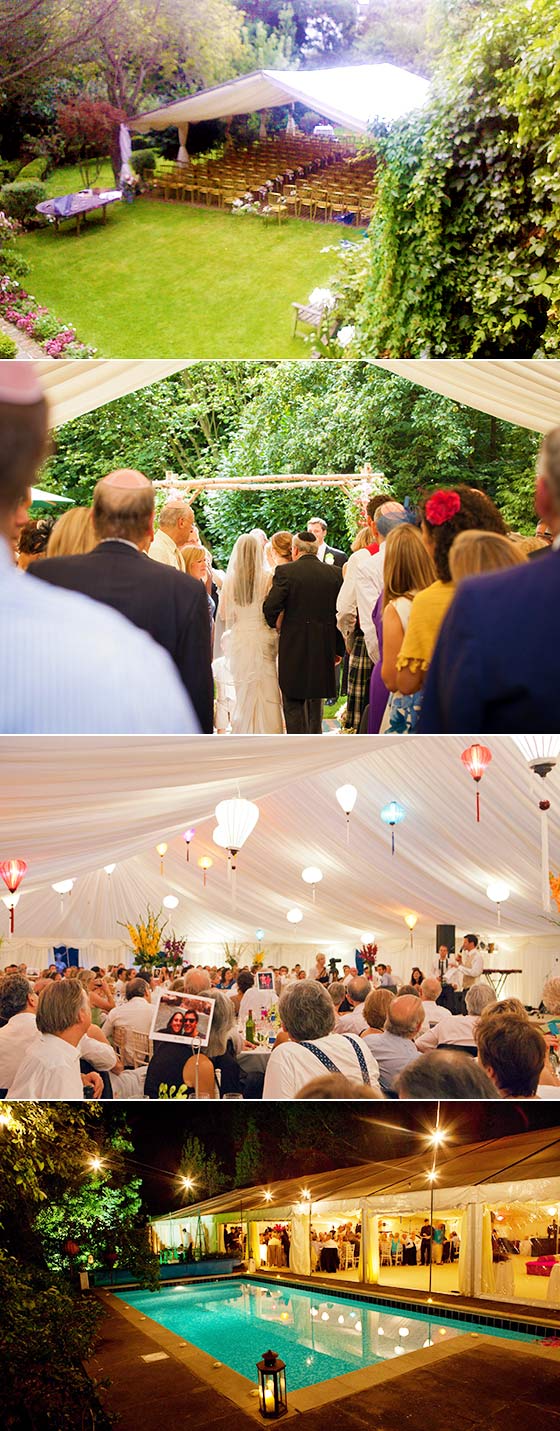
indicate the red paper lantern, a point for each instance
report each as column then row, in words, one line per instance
column 71, row 1247
column 12, row 872
column 475, row 760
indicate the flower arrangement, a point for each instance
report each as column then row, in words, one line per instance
column 173, row 952
column 145, row 938
column 368, row 953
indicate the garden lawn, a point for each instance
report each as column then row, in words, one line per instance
column 169, row 280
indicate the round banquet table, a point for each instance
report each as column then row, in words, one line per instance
column 329, row 1259
column 503, row 1274
column 553, row 1289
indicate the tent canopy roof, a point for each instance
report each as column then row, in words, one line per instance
column 520, row 390
column 80, row 385
column 350, row 95
column 69, row 809
column 524, row 1156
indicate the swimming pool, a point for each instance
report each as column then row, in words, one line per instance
column 316, row 1334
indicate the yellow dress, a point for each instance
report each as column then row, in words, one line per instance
column 428, row 610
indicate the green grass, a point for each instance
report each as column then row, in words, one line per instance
column 168, row 280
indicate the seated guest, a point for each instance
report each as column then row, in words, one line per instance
column 430, row 992
column 444, row 515
column 134, row 1014
column 494, row 668
column 395, row 1047
column 51, row 1067
column 85, row 668
column 337, row 993
column 335, row 1086
column 357, row 991
column 445, row 1075
column 308, row 1018
column 245, row 982
column 72, row 534
column 417, row 977
column 175, row 523
column 167, row 604
column 172, row 1070
column 254, row 1000
column 18, row 1005
column 387, row 979
column 458, row 1029
column 512, row 1052
column 376, row 1009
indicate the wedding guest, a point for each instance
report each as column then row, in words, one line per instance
column 458, row 1029
column 408, row 568
column 357, row 601
column 495, row 668
column 512, row 1052
column 475, row 552
column 434, row 1013
column 302, row 604
column 395, row 1048
column 445, row 513
column 74, row 666
column 332, row 555
column 167, row 604
column 51, row 1067
column 72, row 534
column 357, row 991
column 376, row 1009
column 308, row 1018
column 175, row 523
column 446, row 1076
column 279, row 549
column 134, row 1015
column 32, row 542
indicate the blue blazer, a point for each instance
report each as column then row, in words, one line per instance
column 496, row 665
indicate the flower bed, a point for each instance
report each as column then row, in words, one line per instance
column 20, row 308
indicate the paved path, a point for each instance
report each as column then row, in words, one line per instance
column 486, row 1387
column 26, row 346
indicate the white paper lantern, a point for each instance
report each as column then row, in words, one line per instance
column 170, row 901
column 237, row 819
column 294, row 916
column 347, row 796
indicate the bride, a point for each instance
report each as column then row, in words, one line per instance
column 246, row 675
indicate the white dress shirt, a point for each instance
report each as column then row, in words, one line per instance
column 134, row 1015
column 358, row 594
column 20, row 1036
column 74, row 666
column 164, row 549
column 290, row 1066
column 473, row 963
column 321, row 551
column 456, row 1028
column 50, row 1069
column 353, row 1023
column 433, row 1014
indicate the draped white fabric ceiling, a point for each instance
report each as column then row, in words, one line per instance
column 521, row 390
column 350, row 95
column 76, row 387
column 69, row 808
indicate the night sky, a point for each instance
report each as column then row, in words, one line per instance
column 346, row 1134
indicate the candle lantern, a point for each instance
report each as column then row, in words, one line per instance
column 272, row 1386
column 476, row 759
column 12, row 872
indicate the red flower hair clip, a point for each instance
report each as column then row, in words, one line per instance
column 441, row 507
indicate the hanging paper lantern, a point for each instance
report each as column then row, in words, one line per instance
column 161, row 850
column 170, row 901
column 392, row 814
column 411, row 920
column 71, row 1248
column 475, row 760
column 498, row 891
column 347, row 796
column 541, row 752
column 236, row 821
column 12, row 872
column 294, row 916
column 188, row 838
column 205, row 864
column 109, row 869
column 62, row 887
column 313, row 876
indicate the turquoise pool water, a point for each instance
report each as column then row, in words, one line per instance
column 316, row 1334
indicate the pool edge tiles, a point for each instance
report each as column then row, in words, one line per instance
column 241, row 1392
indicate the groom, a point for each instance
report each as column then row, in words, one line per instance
column 301, row 603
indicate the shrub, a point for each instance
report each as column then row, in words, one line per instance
column 19, row 200
column 8, row 348
column 45, row 327
column 36, row 169
column 12, row 265
column 9, row 169
column 144, row 160
column 309, row 120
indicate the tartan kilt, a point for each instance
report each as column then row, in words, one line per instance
column 360, row 667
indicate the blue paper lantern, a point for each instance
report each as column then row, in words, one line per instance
column 392, row 814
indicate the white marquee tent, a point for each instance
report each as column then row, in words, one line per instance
column 522, row 391
column 349, row 95
column 71, row 809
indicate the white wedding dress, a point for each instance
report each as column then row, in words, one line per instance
column 246, row 676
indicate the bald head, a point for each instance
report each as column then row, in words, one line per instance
column 430, row 989
column 405, row 1016
column 123, row 507
column 197, row 981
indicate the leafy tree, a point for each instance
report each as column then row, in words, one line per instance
column 397, row 35
column 249, row 1162
column 464, row 238
column 88, row 127
column 205, row 1169
column 41, row 37
column 166, row 43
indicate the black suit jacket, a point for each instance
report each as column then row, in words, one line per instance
column 171, row 606
column 339, row 557
column 306, row 591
